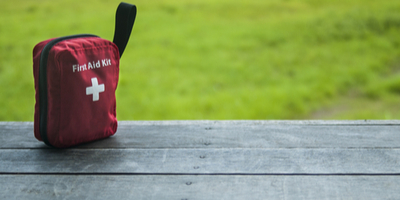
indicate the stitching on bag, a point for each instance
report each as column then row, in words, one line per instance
column 116, row 76
column 57, row 56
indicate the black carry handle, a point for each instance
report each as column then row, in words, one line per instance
column 124, row 19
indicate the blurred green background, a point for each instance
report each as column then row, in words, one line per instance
column 223, row 59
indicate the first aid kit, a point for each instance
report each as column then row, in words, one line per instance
column 75, row 82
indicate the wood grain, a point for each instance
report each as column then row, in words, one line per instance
column 202, row 161
column 198, row 187
column 224, row 135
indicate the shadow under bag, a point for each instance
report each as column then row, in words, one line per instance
column 75, row 81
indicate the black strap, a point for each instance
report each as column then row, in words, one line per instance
column 124, row 19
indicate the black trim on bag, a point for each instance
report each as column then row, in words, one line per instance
column 124, row 19
column 43, row 83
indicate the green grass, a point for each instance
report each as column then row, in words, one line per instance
column 223, row 59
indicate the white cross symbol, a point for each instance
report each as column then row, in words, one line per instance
column 95, row 89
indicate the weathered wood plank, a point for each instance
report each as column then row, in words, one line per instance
column 198, row 187
column 224, row 135
column 202, row 161
column 244, row 122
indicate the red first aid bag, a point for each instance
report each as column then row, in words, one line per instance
column 75, row 81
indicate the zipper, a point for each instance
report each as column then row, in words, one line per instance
column 43, row 83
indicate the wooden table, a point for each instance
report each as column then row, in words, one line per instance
column 208, row 160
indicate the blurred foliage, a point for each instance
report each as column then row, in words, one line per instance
column 223, row 59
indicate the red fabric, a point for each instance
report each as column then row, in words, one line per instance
column 75, row 114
